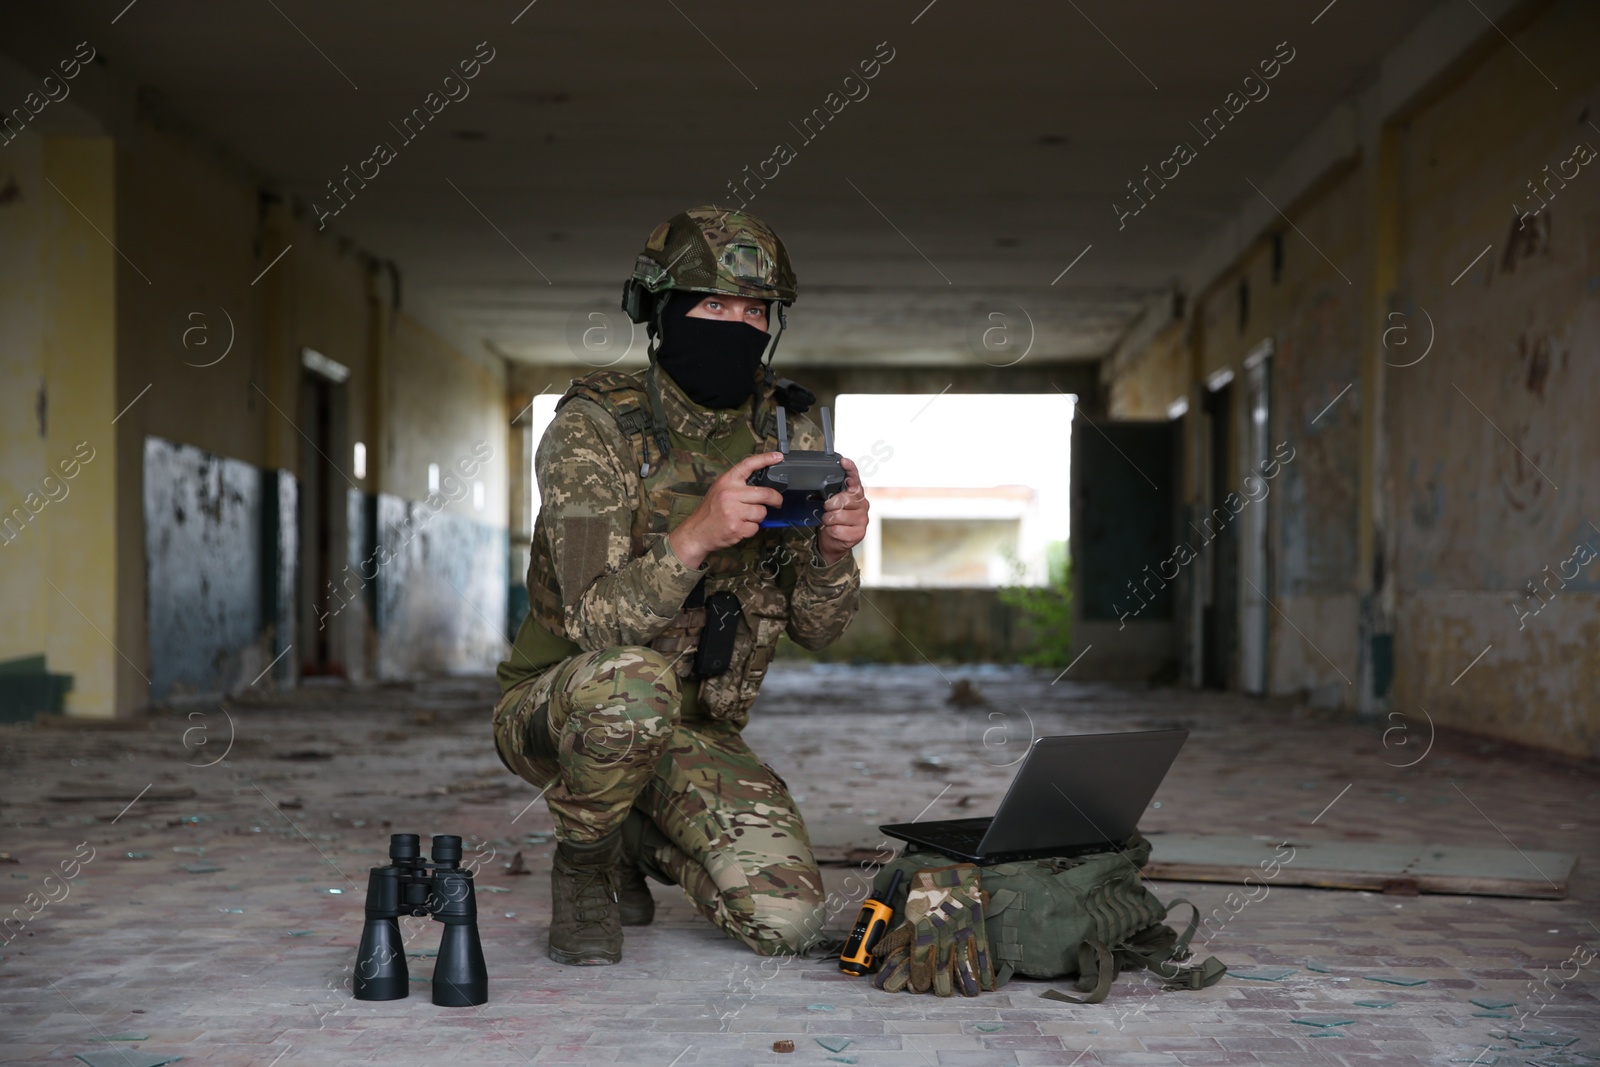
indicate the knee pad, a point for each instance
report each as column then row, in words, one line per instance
column 639, row 683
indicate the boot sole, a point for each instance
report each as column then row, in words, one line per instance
column 583, row 959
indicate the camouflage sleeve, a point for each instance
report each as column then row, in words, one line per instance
column 825, row 597
column 588, row 492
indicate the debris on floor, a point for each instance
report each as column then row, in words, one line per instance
column 125, row 1058
column 1262, row 974
column 963, row 694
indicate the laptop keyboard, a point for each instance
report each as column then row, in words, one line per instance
column 961, row 834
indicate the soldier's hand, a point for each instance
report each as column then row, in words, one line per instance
column 730, row 512
column 844, row 517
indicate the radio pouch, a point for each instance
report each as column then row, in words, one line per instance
column 716, row 639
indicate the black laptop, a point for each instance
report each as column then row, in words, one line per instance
column 1073, row 794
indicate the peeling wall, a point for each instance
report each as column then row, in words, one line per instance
column 441, row 592
column 1494, row 436
column 212, row 563
column 1458, row 344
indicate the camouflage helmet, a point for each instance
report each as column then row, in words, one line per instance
column 716, row 250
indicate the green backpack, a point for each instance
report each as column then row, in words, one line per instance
column 1087, row 917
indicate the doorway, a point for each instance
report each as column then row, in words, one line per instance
column 1219, row 612
column 323, row 522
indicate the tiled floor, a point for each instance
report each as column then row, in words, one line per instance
column 224, row 928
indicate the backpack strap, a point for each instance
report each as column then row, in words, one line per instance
column 1159, row 957
column 1006, row 905
column 1155, row 947
column 1207, row 972
column 1097, row 969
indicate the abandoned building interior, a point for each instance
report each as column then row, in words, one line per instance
column 1196, row 373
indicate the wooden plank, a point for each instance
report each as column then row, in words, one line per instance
column 69, row 792
column 838, row 843
column 1384, row 867
column 1379, row 866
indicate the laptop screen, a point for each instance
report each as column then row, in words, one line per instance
column 1082, row 789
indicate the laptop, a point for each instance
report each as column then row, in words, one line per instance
column 1073, row 794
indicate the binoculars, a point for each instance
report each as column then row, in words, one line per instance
column 410, row 885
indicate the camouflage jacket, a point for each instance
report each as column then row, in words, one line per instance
column 602, row 573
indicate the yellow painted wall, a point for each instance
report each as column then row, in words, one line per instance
column 1494, row 436
column 1153, row 378
column 440, row 404
column 58, row 575
column 143, row 331
column 22, row 283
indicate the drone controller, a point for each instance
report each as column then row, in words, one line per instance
column 805, row 478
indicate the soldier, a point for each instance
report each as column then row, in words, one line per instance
column 648, row 571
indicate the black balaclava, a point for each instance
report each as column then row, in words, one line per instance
column 713, row 362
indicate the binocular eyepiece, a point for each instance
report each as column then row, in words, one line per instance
column 410, row 885
column 406, row 849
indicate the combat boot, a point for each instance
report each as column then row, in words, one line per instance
column 640, row 838
column 635, row 905
column 585, row 920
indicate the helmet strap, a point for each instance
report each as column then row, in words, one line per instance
column 768, row 381
column 658, row 411
column 772, row 345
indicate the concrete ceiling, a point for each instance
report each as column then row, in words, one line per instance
column 984, row 160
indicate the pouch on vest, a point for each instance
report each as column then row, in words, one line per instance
column 716, row 639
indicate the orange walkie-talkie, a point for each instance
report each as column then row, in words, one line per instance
column 871, row 924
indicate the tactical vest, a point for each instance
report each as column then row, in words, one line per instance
column 670, row 476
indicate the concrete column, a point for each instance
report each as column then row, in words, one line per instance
column 1374, row 532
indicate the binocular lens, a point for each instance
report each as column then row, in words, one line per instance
column 404, row 847
column 446, row 849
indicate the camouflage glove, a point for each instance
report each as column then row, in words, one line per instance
column 894, row 958
column 942, row 944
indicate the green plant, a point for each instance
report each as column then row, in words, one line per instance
column 1046, row 610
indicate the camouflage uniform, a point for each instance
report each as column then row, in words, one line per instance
column 628, row 724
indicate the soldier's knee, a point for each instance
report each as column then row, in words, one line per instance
column 637, row 683
column 779, row 925
column 789, row 930
column 640, row 661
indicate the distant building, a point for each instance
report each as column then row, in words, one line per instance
column 953, row 537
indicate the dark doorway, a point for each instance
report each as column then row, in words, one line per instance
column 322, row 525
column 1219, row 613
column 1123, row 561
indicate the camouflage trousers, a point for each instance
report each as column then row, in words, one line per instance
column 738, row 846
